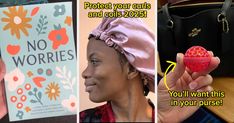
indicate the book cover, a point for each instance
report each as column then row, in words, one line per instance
column 37, row 46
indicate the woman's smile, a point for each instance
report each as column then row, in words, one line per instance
column 89, row 86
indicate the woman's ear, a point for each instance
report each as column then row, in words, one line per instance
column 131, row 72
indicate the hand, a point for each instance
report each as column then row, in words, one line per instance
column 183, row 79
column 3, row 107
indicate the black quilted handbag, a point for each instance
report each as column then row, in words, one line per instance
column 210, row 25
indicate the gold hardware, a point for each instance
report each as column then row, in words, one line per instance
column 194, row 32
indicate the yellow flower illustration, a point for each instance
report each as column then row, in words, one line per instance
column 53, row 91
column 16, row 21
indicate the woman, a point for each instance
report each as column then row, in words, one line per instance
column 120, row 71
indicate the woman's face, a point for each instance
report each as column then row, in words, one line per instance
column 105, row 79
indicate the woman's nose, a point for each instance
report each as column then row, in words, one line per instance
column 86, row 73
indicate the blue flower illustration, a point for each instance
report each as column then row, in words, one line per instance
column 40, row 71
column 59, row 10
column 20, row 114
column 49, row 71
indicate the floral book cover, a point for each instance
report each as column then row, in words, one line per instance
column 38, row 48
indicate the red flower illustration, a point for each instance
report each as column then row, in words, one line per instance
column 58, row 37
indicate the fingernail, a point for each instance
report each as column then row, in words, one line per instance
column 193, row 85
column 1, row 64
column 212, row 54
column 199, row 90
column 178, row 56
column 217, row 58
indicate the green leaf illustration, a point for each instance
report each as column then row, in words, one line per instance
column 35, row 89
column 37, row 30
column 33, row 101
column 39, row 26
column 42, row 25
column 30, row 93
column 40, row 21
column 39, row 95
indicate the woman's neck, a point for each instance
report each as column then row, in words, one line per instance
column 132, row 106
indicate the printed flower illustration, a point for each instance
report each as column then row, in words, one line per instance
column 27, row 109
column 68, row 20
column 70, row 103
column 20, row 114
column 14, row 78
column 16, row 21
column 59, row 10
column 58, row 37
column 53, row 91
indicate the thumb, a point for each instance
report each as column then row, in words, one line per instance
column 3, row 107
column 179, row 70
column 2, row 69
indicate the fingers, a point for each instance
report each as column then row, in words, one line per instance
column 205, row 89
column 2, row 69
column 200, row 79
column 3, row 107
column 200, row 82
column 179, row 70
column 211, row 53
column 214, row 62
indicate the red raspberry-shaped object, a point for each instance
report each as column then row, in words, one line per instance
column 197, row 59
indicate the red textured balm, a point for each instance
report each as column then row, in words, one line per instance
column 197, row 59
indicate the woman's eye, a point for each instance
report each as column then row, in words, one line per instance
column 94, row 61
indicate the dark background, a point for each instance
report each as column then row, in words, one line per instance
column 60, row 119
